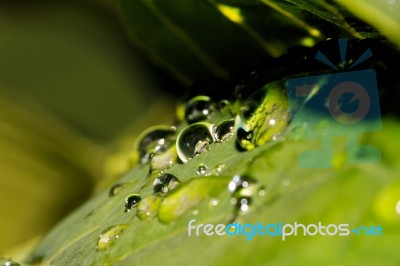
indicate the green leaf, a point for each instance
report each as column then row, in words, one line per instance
column 200, row 39
column 352, row 194
column 383, row 15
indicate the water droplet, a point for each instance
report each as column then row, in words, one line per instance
column 262, row 192
column 218, row 169
column 189, row 195
column 398, row 207
column 242, row 185
column 148, row 207
column 243, row 204
column 201, row 169
column 117, row 189
column 264, row 115
column 155, row 140
column 224, row 106
column 164, row 160
column 165, row 183
column 286, row 182
column 244, row 139
column 213, row 203
column 194, row 139
column 242, row 188
column 11, row 263
column 225, row 130
column 132, row 201
column 108, row 236
column 199, row 108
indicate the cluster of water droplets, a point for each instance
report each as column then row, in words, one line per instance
column 163, row 146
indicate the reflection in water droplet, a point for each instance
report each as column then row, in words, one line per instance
column 225, row 130
column 398, row 207
column 132, row 201
column 108, row 236
column 148, row 207
column 11, row 263
column 195, row 212
column 117, row 189
column 201, row 169
column 198, row 109
column 155, row 140
column 194, row 139
column 165, row 183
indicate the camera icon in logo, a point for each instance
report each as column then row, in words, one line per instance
column 333, row 105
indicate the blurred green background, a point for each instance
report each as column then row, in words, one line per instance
column 70, row 83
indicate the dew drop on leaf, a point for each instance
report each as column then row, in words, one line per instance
column 199, row 108
column 11, row 263
column 262, row 117
column 153, row 141
column 109, row 236
column 242, row 188
column 243, row 204
column 201, row 169
column 242, row 185
column 165, row 160
column 213, row 203
column 194, row 139
column 286, row 182
column 218, row 169
column 225, row 130
column 165, row 183
column 117, row 189
column 262, row 192
column 132, row 201
column 224, row 107
column 148, row 207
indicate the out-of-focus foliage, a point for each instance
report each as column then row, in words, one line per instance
column 383, row 15
column 47, row 168
column 73, row 63
column 73, row 59
column 200, row 39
